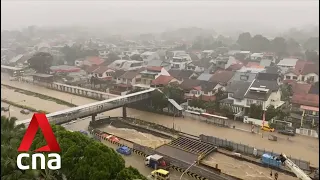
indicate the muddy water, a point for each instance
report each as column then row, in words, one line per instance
column 242, row 169
column 304, row 147
column 14, row 112
column 135, row 136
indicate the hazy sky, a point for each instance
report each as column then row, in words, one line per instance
column 273, row 13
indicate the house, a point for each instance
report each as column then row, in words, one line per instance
column 163, row 80
column 205, row 77
column 103, row 53
column 199, row 66
column 116, row 75
column 223, row 61
column 286, row 64
column 206, row 53
column 151, row 73
column 265, row 62
column 247, row 76
column 268, row 77
column 126, row 81
column 256, row 56
column 236, row 91
column 235, row 66
column 149, row 56
column 161, row 63
column 88, row 61
column 222, row 77
column 182, row 74
column 199, row 89
column 180, row 62
column 103, row 72
column 126, row 65
column 272, row 70
column 304, row 71
column 264, row 93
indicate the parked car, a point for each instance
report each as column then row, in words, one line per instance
column 5, row 109
column 124, row 150
column 25, row 111
column 288, row 132
column 267, row 128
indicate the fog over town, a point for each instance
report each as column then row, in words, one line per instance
column 159, row 90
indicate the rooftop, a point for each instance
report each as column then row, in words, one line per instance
column 162, row 80
column 238, row 88
column 222, row 76
column 288, row 62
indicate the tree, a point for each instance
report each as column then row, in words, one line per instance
column 255, row 111
column 312, row 56
column 259, row 43
column 271, row 112
column 293, row 47
column 286, row 92
column 175, row 93
column 312, row 44
column 159, row 100
column 279, row 46
column 83, row 158
column 130, row 173
column 244, row 40
column 113, row 56
column 41, row 62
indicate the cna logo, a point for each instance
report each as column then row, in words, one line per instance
column 40, row 121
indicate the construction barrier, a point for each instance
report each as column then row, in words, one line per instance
column 103, row 137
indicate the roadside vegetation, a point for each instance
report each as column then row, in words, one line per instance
column 82, row 157
column 41, row 96
column 23, row 106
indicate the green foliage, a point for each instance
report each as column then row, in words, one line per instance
column 129, row 173
column 82, row 157
column 173, row 92
column 286, row 92
column 41, row 62
column 271, row 112
column 76, row 52
column 255, row 111
column 312, row 44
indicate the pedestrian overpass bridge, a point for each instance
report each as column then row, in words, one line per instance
column 95, row 108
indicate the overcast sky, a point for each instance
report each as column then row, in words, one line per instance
column 273, row 13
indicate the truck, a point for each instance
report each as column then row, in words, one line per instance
column 156, row 161
column 124, row 150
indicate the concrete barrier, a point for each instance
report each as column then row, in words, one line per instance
column 248, row 150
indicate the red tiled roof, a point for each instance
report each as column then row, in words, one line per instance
column 306, row 99
column 154, row 68
column 162, row 80
column 90, row 69
column 208, row 98
column 253, row 64
column 95, row 60
column 305, row 67
column 124, row 85
column 298, row 88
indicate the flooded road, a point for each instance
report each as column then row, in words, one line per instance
column 242, row 169
column 14, row 112
column 304, row 147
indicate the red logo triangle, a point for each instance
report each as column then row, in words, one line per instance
column 39, row 120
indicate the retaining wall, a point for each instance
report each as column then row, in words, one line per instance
column 248, row 150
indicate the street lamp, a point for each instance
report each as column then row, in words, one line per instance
column 10, row 106
column 188, row 169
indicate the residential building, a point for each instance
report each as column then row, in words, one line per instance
column 205, row 77
column 264, row 93
column 206, row 54
column 223, row 61
column 199, row 66
column 256, row 56
column 160, row 63
column 151, row 73
column 265, row 63
column 182, row 74
column 126, row 81
column 103, row 53
column 180, row 62
column 162, row 81
column 222, row 77
column 241, row 94
column 247, row 76
column 126, row 65
column 199, row 89
column 304, row 71
column 286, row 64
column 103, row 72
column 149, row 56
column 89, row 61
